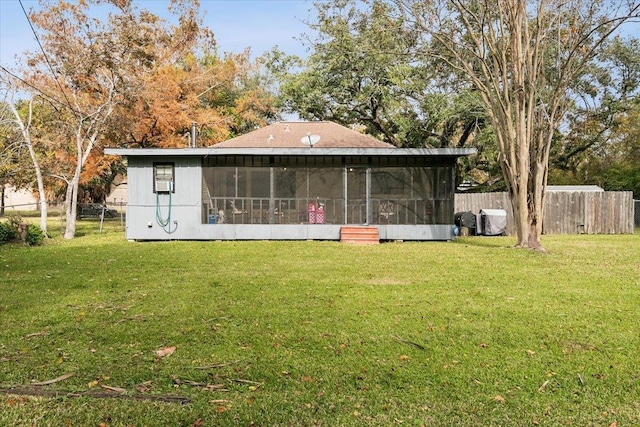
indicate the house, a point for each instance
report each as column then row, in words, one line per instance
column 291, row 181
column 117, row 191
column 573, row 189
column 19, row 199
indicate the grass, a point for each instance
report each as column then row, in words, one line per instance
column 320, row 333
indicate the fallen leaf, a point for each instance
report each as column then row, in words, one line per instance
column 544, row 384
column 307, row 379
column 144, row 387
column 531, row 352
column 116, row 389
column 404, row 357
column 37, row 334
column 55, row 380
column 499, row 398
column 164, row 352
column 15, row 401
column 92, row 384
column 614, row 424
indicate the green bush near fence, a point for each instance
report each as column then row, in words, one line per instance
column 16, row 230
column 7, row 233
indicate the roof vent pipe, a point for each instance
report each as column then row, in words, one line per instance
column 193, row 135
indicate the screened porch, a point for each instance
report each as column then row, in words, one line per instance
column 326, row 190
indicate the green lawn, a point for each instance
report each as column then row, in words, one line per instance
column 470, row 332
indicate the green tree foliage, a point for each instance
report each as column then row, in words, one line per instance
column 603, row 143
column 12, row 170
column 19, row 156
column 15, row 170
column 7, row 233
column 360, row 72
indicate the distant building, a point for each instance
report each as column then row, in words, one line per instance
column 19, row 199
column 118, row 193
column 573, row 188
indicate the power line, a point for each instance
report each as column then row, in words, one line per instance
column 50, row 98
column 55, row 76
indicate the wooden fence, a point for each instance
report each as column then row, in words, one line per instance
column 607, row 212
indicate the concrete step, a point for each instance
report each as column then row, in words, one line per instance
column 360, row 234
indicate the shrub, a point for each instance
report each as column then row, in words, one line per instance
column 35, row 236
column 16, row 230
column 7, row 233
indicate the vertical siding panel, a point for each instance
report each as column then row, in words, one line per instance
column 629, row 220
column 588, row 204
column 610, row 211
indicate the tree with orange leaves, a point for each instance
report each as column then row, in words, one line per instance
column 225, row 96
column 89, row 68
column 131, row 78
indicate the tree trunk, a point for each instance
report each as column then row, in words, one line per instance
column 71, row 199
column 71, row 206
column 40, row 182
column 24, row 128
column 42, row 196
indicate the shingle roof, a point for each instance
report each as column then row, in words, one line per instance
column 290, row 134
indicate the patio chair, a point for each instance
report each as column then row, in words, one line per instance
column 386, row 210
column 234, row 209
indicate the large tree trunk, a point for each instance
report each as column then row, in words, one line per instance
column 71, row 197
column 24, row 128
column 43, row 199
column 82, row 152
column 71, row 208
column 41, row 192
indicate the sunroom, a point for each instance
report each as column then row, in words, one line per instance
column 331, row 189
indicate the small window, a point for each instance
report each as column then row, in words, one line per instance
column 163, row 178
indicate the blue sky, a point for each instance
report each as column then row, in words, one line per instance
column 237, row 24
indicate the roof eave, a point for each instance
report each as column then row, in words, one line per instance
column 213, row 151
